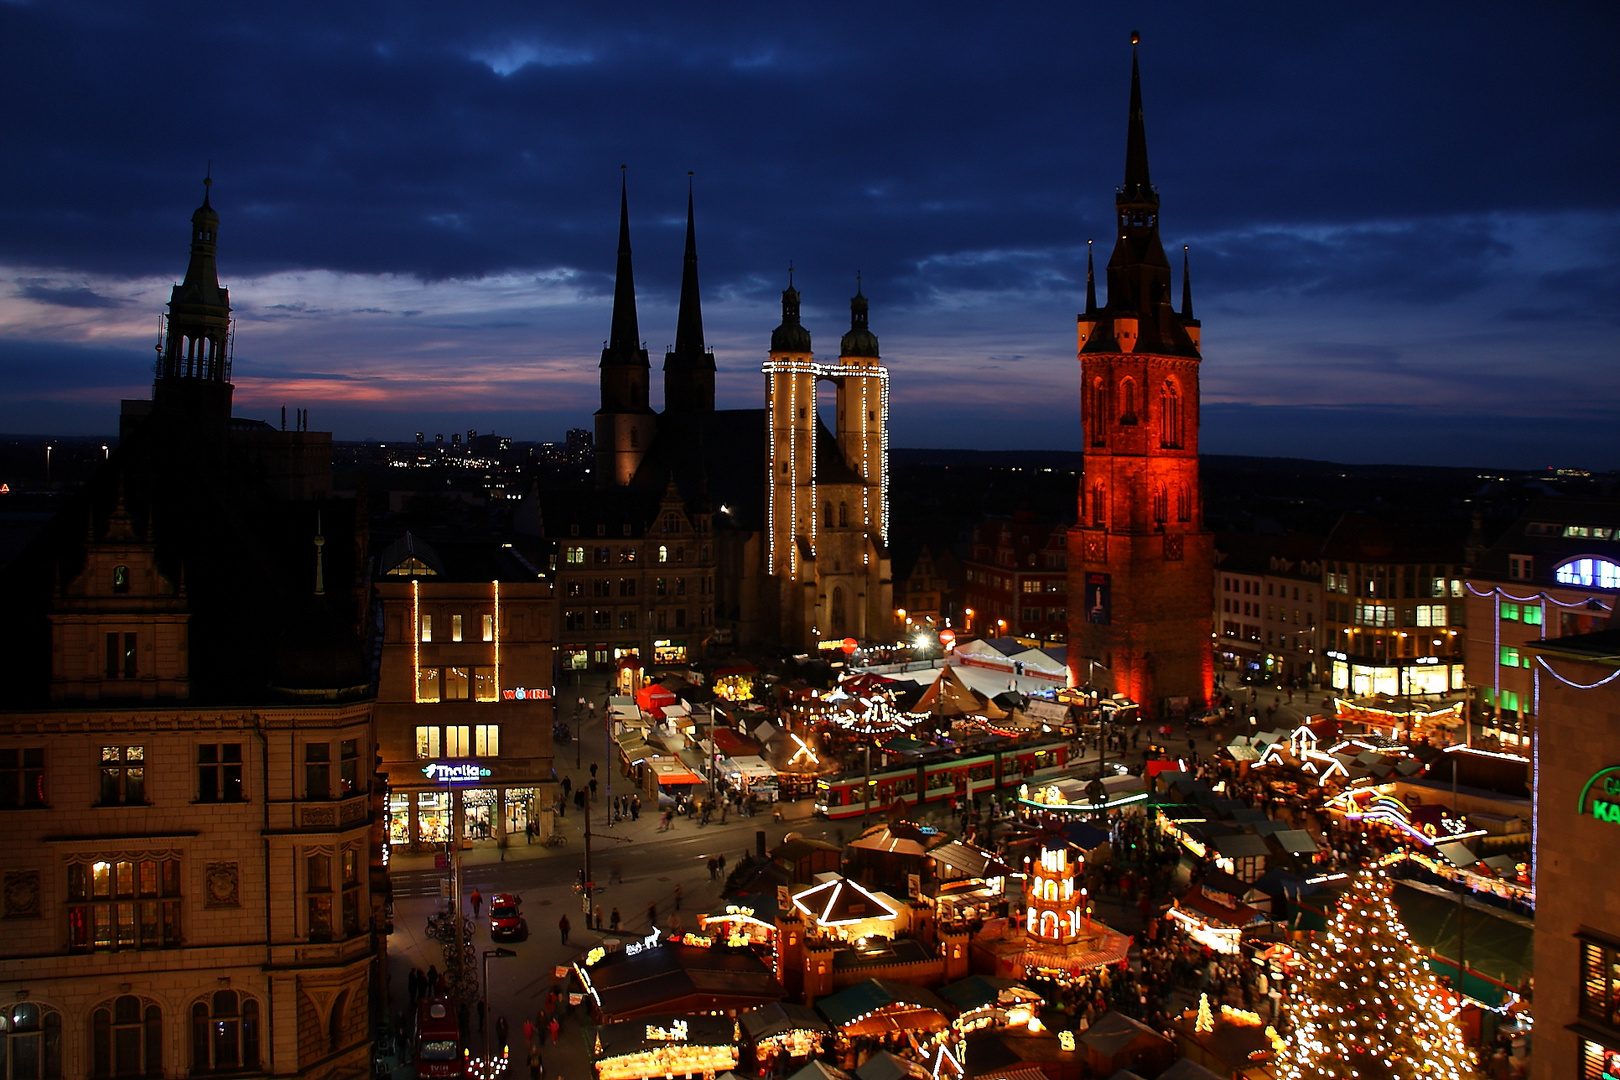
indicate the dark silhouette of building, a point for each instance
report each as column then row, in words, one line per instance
column 1140, row 558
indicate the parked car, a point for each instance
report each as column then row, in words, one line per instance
column 506, row 921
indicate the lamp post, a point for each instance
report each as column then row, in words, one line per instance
column 969, row 614
column 499, row 954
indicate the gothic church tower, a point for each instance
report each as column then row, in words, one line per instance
column 1140, row 559
column 625, row 423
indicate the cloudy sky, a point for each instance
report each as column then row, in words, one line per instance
column 1404, row 218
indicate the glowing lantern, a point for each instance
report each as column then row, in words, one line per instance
column 850, row 645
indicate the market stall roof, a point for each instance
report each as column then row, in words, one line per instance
column 841, row 900
column 898, row 838
column 1107, row 947
column 674, row 772
column 779, row 1017
column 817, row 1069
column 754, row 768
column 981, row 991
column 1114, row 1031
column 1050, row 712
column 680, row 976
column 970, row 860
column 732, row 744
column 884, row 1065
column 1242, row 846
column 981, row 648
column 1296, row 841
column 1188, row 1069
column 1039, row 660
column 760, row 906
column 735, row 667
column 950, row 696
column 849, row 1005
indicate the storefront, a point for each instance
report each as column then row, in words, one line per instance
column 669, row 650
column 470, row 805
column 665, row 1046
column 784, row 1031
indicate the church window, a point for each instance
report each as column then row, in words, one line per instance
column 1160, row 504
column 1099, row 410
column 663, row 553
column 120, row 582
column 1169, row 415
column 828, row 513
column 843, row 514
column 31, row 1041
column 1183, row 503
column 1098, row 516
column 1127, row 399
column 126, row 1039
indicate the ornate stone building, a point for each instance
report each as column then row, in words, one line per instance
column 187, row 802
column 1140, row 559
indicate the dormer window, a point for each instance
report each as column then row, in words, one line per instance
column 120, row 579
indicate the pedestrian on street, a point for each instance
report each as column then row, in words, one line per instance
column 535, row 1067
column 563, row 927
column 528, row 832
column 613, row 923
column 677, row 898
column 635, row 808
column 714, row 867
column 593, row 771
column 593, row 785
column 477, row 902
column 501, row 1031
column 722, row 861
column 554, row 1028
column 529, row 1032
column 599, row 916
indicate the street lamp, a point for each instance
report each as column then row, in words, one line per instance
column 969, row 613
column 498, row 954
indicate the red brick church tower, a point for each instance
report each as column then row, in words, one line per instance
column 1141, row 562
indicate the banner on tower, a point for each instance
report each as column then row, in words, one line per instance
column 1098, row 598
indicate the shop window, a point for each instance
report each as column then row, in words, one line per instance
column 124, row 904
column 317, row 770
column 427, row 627
column 126, row 1039
column 22, row 777
column 224, row 1033
column 455, row 628
column 219, row 772
column 489, row 622
column 123, row 775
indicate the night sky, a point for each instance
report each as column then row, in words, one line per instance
column 1404, row 218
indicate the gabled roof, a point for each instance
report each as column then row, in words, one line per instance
column 1115, row 1032
column 866, row 997
column 841, row 901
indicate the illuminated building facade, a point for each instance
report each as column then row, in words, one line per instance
column 464, row 706
column 1017, row 579
column 1555, row 573
column 1577, row 816
column 1140, row 559
column 827, row 515
column 1394, row 619
column 1268, row 607
column 187, row 798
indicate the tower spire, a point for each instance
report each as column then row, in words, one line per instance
column 1091, row 282
column 624, row 338
column 1138, row 187
column 689, row 366
column 1186, row 284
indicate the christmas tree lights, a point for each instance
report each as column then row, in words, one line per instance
column 1367, row 1007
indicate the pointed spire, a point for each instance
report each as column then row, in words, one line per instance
column 1091, row 282
column 791, row 336
column 1138, row 187
column 689, row 320
column 624, row 338
column 860, row 341
column 1186, row 283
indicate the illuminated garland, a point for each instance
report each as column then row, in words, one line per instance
column 1540, row 597
column 1542, row 661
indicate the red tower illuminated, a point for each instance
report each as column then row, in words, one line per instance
column 1141, row 562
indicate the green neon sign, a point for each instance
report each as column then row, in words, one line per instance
column 1607, row 782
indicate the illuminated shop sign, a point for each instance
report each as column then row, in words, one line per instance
column 1601, row 795
column 525, row 693
column 454, row 772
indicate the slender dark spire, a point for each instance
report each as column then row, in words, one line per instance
column 1091, row 282
column 1138, row 187
column 624, row 339
column 1186, row 284
column 689, row 321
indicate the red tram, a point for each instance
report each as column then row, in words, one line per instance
column 942, row 775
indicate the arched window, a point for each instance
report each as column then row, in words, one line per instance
column 30, row 1042
column 1097, row 419
column 1183, row 503
column 837, row 610
column 826, row 512
column 335, row 1023
column 635, row 438
column 663, row 553
column 1161, row 508
column 843, row 514
column 1589, row 573
column 126, row 1038
column 1127, row 401
column 224, row 1033
column 1098, row 506
column 1169, row 415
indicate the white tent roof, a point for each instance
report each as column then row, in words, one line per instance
column 1038, row 661
column 980, row 647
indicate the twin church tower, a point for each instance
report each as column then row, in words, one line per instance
column 812, row 563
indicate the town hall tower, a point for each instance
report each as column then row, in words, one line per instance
column 1140, row 559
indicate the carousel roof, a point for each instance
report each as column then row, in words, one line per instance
column 841, row 900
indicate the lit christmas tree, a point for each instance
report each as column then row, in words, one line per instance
column 1367, row 1006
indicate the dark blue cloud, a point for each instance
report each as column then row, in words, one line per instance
column 36, row 289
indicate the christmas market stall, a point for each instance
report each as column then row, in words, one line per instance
column 883, row 1010
column 1214, row 912
column 741, row 921
column 664, row 1046
column 1402, row 718
column 1227, row 1041
column 784, row 1032
column 651, row 976
column 983, row 1001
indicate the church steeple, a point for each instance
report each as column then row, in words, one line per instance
column 1091, row 283
column 1139, row 297
column 624, row 336
column 860, row 341
column 791, row 336
column 689, row 367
